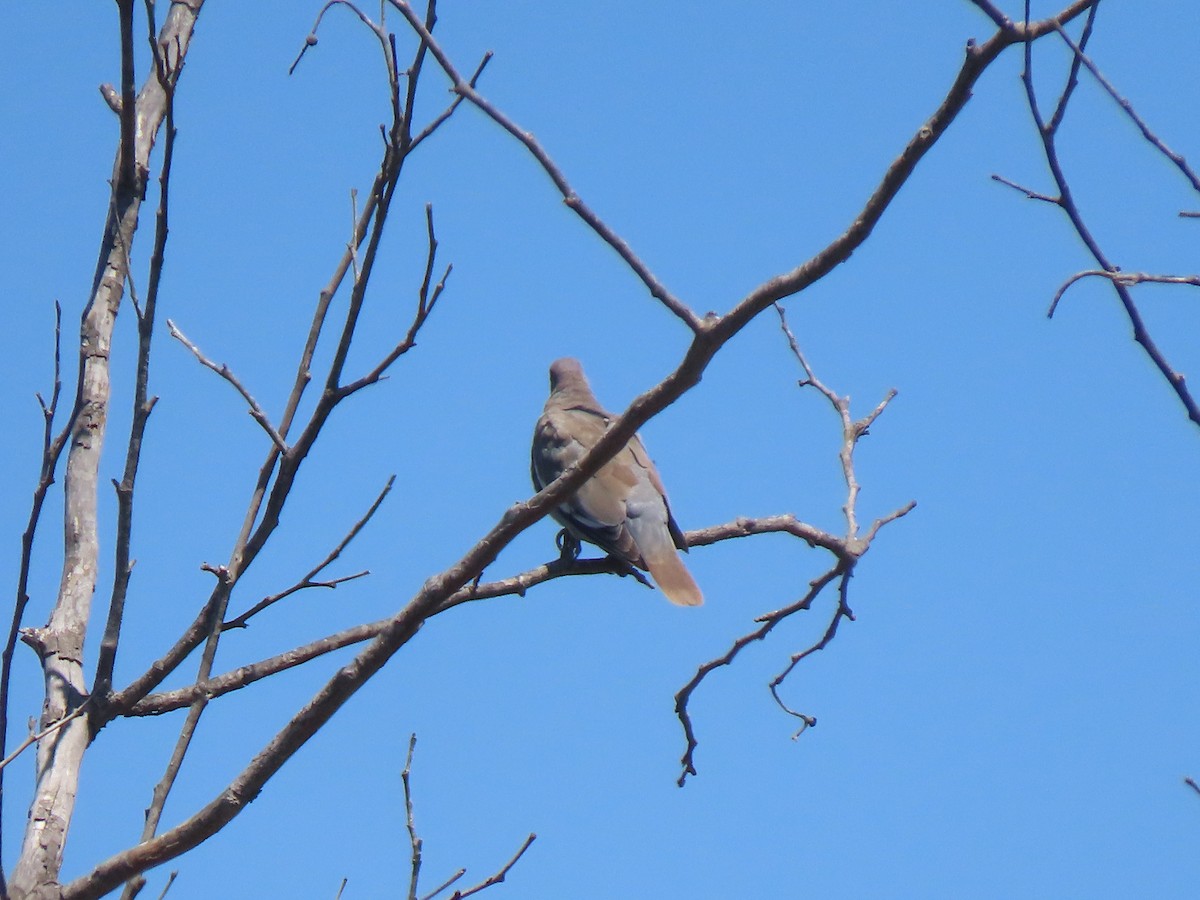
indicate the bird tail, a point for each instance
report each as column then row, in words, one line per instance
column 673, row 578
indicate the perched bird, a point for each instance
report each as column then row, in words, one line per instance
column 622, row 508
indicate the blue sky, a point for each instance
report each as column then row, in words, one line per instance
column 1016, row 706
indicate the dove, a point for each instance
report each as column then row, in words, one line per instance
column 623, row 508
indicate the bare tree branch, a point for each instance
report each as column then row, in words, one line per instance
column 465, row 88
column 413, row 840
column 60, row 754
column 1048, row 133
column 1127, row 279
column 499, row 876
column 709, row 335
column 256, row 411
column 846, row 551
column 842, row 611
column 307, row 580
column 33, row 737
column 52, row 447
column 143, row 404
column 1153, row 139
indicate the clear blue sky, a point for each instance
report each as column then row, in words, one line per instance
column 1015, row 708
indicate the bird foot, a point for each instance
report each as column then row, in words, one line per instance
column 568, row 545
column 625, row 568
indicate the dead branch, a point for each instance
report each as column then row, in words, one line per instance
column 709, row 335
column 60, row 754
column 516, row 585
column 846, row 551
column 1128, row 279
column 143, row 404
column 413, row 840
column 307, row 580
column 1048, row 134
column 52, row 447
column 256, row 411
column 1151, row 138
column 500, row 875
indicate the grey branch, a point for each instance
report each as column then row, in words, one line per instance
column 225, row 372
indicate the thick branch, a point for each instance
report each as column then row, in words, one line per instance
column 710, row 335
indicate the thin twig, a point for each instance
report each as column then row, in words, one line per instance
column 52, row 448
column 1152, row 138
column 307, row 580
column 414, row 840
column 1066, row 201
column 1127, row 279
column 225, row 372
column 170, row 881
column 842, row 611
column 1028, row 192
column 499, row 876
column 684, row 695
column 465, row 88
column 445, row 884
column 32, row 738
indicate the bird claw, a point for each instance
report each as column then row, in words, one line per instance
column 624, row 567
column 568, row 545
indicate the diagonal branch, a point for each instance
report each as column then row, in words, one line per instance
column 256, row 411
column 769, row 621
column 1048, row 132
column 1153, row 139
column 846, row 551
column 710, row 336
column 307, row 580
column 466, row 88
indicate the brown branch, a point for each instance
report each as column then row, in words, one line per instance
column 1028, row 192
column 175, row 874
column 846, row 550
column 710, row 335
column 256, row 411
column 499, row 876
column 1127, row 279
column 842, row 611
column 516, row 585
column 769, row 621
column 1153, row 139
column 466, row 88
column 427, row 299
column 307, row 580
column 1047, row 132
column 445, row 114
column 33, row 737
column 992, row 12
column 52, row 447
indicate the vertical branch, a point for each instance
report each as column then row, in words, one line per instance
column 1048, row 134
column 414, row 840
column 143, row 404
column 60, row 643
column 52, row 447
